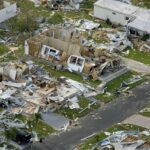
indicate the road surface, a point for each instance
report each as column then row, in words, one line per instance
column 108, row 115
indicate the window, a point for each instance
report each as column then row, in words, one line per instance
column 73, row 60
column 46, row 50
column 79, row 62
column 52, row 51
column 137, row 33
column 132, row 31
column 126, row 18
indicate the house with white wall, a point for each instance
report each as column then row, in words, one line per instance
column 117, row 12
column 136, row 19
column 8, row 9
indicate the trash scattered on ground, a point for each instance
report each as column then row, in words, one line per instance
column 125, row 140
column 81, row 46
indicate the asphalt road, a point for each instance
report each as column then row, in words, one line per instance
column 110, row 114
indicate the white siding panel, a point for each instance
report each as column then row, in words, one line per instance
column 105, row 14
column 8, row 12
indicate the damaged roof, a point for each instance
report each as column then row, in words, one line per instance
column 142, row 21
column 117, row 6
column 141, row 25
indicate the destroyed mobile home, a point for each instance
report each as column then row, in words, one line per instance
column 67, row 49
column 125, row 140
column 135, row 18
column 66, row 5
column 25, row 88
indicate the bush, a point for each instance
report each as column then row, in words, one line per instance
column 3, row 49
column 88, row 4
column 11, row 134
column 23, row 23
column 57, row 18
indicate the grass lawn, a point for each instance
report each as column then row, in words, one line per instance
column 26, row 5
column 146, row 111
column 143, row 57
column 41, row 128
column 100, row 39
column 89, row 143
column 74, row 113
column 18, row 54
column 1, row 109
column 113, row 85
column 142, row 3
column 9, row 146
column 2, row 33
column 88, row 4
column 66, row 73
column 3, row 49
column 77, row 15
column 146, row 114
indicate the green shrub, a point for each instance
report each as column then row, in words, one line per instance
column 23, row 23
column 57, row 18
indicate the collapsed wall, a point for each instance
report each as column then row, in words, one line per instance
column 60, row 39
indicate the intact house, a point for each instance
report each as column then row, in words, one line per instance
column 8, row 9
column 136, row 19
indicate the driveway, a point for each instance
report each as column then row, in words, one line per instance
column 138, row 120
column 136, row 66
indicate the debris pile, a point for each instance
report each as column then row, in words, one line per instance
column 125, row 140
column 143, row 46
column 29, row 86
column 27, row 89
column 67, row 49
column 67, row 5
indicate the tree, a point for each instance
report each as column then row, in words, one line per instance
column 24, row 22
